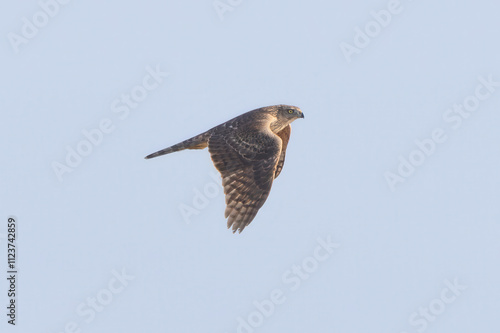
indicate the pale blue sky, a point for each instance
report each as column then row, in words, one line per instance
column 106, row 248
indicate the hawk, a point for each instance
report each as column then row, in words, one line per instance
column 249, row 152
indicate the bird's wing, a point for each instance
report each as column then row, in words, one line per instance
column 246, row 159
column 285, row 137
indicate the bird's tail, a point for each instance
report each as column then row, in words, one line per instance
column 197, row 142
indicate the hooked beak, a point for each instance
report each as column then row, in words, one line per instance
column 302, row 115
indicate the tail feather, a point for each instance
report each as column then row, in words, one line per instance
column 197, row 142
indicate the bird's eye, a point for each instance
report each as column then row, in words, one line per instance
column 290, row 111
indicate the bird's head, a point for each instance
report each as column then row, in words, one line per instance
column 281, row 115
column 288, row 113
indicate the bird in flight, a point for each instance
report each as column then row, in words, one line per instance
column 249, row 152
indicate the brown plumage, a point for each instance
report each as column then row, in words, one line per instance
column 249, row 152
